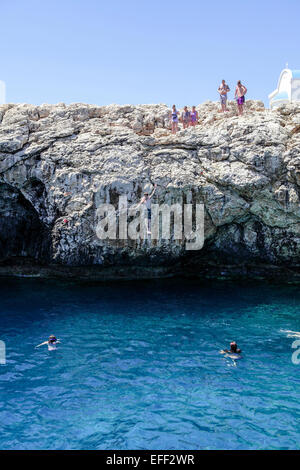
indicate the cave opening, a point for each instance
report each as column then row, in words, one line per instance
column 23, row 235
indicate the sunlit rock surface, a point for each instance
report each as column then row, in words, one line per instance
column 60, row 162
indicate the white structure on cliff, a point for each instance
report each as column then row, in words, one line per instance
column 288, row 88
column 2, row 92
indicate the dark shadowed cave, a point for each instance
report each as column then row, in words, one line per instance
column 22, row 234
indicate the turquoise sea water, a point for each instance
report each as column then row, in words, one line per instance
column 139, row 367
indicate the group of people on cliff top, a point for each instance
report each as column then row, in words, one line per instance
column 239, row 96
column 190, row 118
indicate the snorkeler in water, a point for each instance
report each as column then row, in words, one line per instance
column 233, row 349
column 52, row 342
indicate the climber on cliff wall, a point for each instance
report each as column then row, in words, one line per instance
column 239, row 95
column 174, row 118
column 223, row 90
column 146, row 201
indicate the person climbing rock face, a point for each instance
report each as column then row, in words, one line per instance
column 174, row 117
column 146, row 201
column 185, row 117
column 239, row 95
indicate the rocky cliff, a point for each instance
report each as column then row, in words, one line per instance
column 60, row 162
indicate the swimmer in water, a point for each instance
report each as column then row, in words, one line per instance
column 52, row 342
column 233, row 349
column 232, row 353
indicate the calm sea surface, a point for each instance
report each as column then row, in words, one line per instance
column 139, row 366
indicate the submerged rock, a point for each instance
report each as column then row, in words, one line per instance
column 59, row 163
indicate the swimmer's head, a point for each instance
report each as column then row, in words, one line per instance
column 52, row 339
column 233, row 346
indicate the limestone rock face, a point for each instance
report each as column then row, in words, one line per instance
column 59, row 163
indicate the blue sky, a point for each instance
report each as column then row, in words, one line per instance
column 129, row 51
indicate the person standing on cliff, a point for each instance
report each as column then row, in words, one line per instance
column 239, row 95
column 194, row 117
column 174, row 118
column 223, row 90
column 185, row 117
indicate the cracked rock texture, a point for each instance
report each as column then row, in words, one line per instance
column 58, row 163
